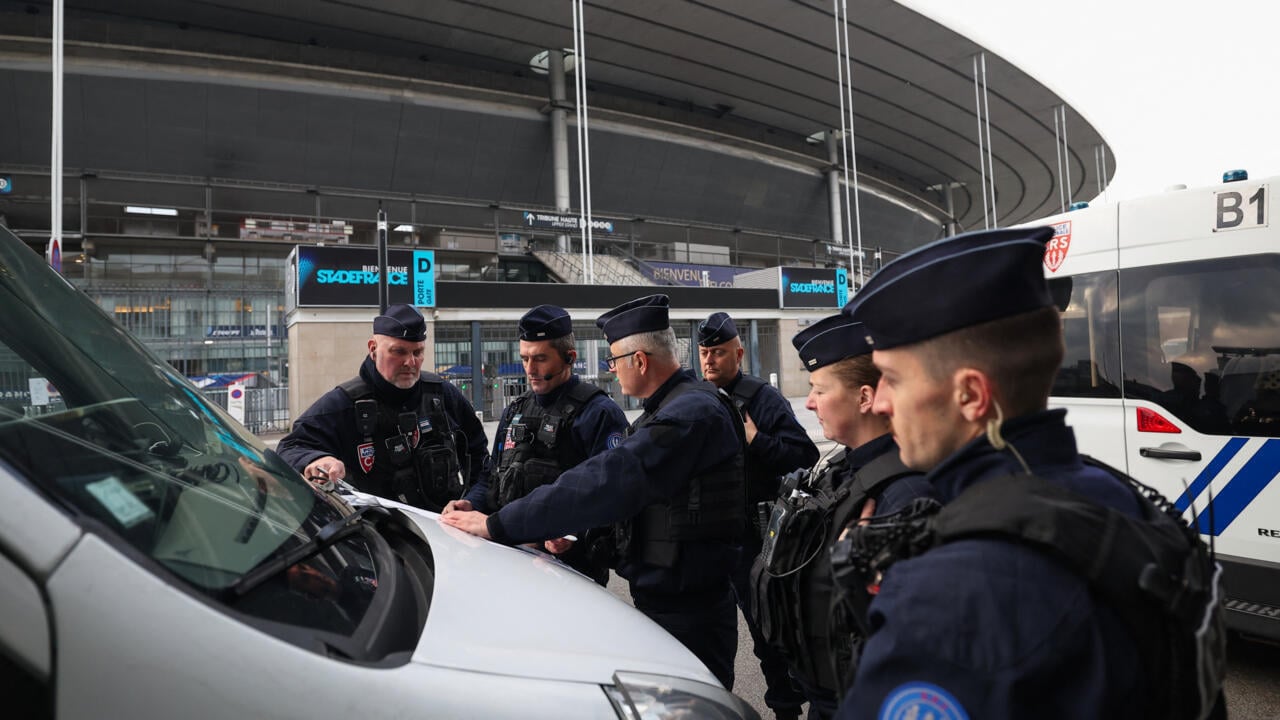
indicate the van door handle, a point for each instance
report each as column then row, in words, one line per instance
column 1163, row 454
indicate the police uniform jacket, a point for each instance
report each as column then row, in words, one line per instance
column 692, row 434
column 781, row 444
column 987, row 628
column 597, row 426
column 328, row 427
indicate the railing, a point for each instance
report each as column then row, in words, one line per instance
column 609, row 270
column 266, row 410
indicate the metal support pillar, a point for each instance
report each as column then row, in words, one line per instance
column 559, row 139
column 833, row 189
column 477, row 371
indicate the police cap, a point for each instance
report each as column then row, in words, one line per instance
column 401, row 321
column 953, row 284
column 545, row 322
column 716, row 329
column 830, row 340
column 645, row 314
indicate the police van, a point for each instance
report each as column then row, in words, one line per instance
column 1171, row 314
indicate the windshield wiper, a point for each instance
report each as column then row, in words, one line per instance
column 330, row 534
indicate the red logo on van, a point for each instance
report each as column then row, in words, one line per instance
column 1055, row 253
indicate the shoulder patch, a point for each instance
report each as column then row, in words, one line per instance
column 921, row 700
column 613, row 441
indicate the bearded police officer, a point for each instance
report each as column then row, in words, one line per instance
column 559, row 422
column 776, row 445
column 674, row 487
column 995, row 623
column 393, row 430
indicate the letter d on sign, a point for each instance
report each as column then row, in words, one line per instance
column 424, row 278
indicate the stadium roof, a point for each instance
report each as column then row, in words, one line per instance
column 757, row 76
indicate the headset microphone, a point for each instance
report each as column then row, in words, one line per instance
column 548, row 376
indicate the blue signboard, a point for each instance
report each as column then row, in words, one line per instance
column 6, row 184
column 842, row 287
column 810, row 287
column 341, row 276
column 424, row 278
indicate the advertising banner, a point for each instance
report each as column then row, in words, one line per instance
column 812, row 288
column 689, row 274
column 348, row 276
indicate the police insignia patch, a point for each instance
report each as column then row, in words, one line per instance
column 365, row 453
column 614, row 440
column 921, row 700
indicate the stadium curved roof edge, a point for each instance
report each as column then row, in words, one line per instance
column 759, row 77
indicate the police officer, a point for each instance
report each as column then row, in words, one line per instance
column 393, row 430
column 559, row 422
column 776, row 445
column 968, row 341
column 673, row 486
column 793, row 579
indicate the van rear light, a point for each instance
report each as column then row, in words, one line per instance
column 1152, row 421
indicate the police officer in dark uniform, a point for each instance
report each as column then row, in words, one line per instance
column 674, row 487
column 968, row 341
column 792, row 578
column 393, row 430
column 776, row 445
column 559, row 422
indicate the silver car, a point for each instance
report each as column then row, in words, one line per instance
column 157, row 561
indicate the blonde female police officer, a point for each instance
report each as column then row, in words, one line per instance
column 794, row 583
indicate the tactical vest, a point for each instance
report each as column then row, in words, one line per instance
column 762, row 483
column 711, row 508
column 410, row 456
column 791, row 581
column 1153, row 570
column 535, row 451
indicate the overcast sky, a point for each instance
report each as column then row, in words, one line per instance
column 1180, row 91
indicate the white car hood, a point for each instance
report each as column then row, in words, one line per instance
column 509, row 611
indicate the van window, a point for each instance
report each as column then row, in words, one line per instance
column 1090, row 329
column 1202, row 339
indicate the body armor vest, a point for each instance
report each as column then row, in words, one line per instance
column 762, row 483
column 536, row 451
column 711, row 508
column 1153, row 570
column 409, row 456
column 791, row 580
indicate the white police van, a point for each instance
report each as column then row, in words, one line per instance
column 1171, row 314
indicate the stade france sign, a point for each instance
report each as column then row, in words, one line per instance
column 348, row 276
column 814, row 287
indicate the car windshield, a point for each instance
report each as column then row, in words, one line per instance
column 115, row 435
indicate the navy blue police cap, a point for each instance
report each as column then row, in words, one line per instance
column 830, row 340
column 716, row 329
column 645, row 314
column 401, row 321
column 545, row 322
column 953, row 284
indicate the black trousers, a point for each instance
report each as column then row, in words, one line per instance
column 705, row 623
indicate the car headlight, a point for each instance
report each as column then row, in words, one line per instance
column 641, row 696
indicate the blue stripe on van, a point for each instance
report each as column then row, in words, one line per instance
column 1256, row 474
column 1209, row 472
